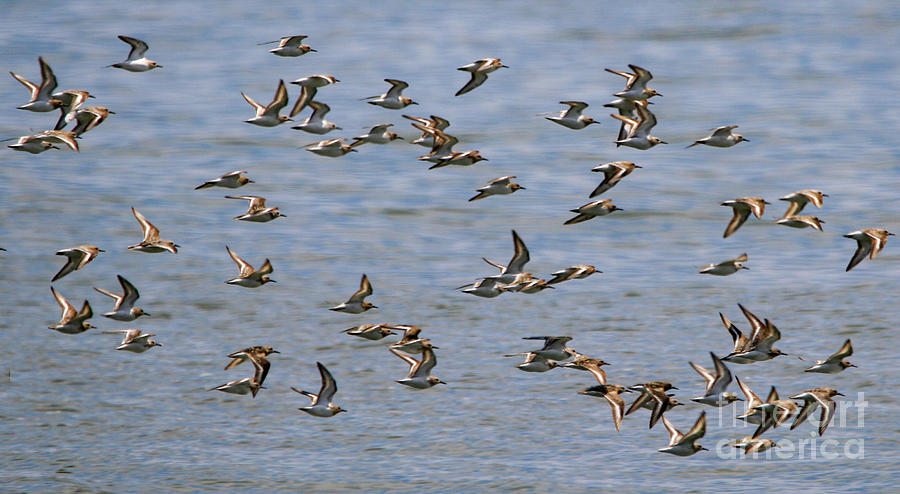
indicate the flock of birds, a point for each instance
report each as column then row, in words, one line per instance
column 632, row 105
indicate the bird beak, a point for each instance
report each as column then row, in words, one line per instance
column 272, row 281
column 157, row 66
column 663, row 142
column 442, row 382
column 485, row 159
column 338, row 128
column 504, row 66
column 148, row 315
column 839, row 394
column 744, row 267
column 523, row 188
column 275, row 351
column 311, row 49
column 673, row 387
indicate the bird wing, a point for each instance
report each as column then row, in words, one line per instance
column 244, row 268
column 329, row 385
column 151, row 233
column 365, row 289
column 138, row 47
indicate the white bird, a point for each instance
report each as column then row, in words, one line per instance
column 612, row 172
column 378, row 135
column 534, row 362
column 231, row 180
column 601, row 207
column 715, row 394
column 801, row 221
column 289, row 46
column 685, row 444
column 31, row 144
column 321, row 404
column 636, row 84
column 76, row 258
column 835, row 363
column 135, row 340
column 722, row 137
column 357, row 304
column 316, row 123
column 576, row 272
column 124, row 309
column 812, row 398
column 151, row 242
column 419, row 376
column 250, row 277
column 393, row 99
column 331, row 148
column 726, row 268
column 309, row 85
column 479, row 70
column 485, row 288
column 638, row 136
column 257, row 211
column 516, row 264
column 267, row 116
column 869, row 242
column 433, row 122
column 72, row 322
column 41, row 95
column 554, row 347
column 572, row 118
column 136, row 61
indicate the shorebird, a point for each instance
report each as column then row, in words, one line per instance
column 485, row 288
column 289, row 46
column 527, row 285
column 759, row 347
column 378, row 135
column 576, row 272
column 516, row 264
column 72, row 322
column 419, row 376
column 661, row 402
column 124, row 309
column 231, row 180
column 442, row 144
column 591, row 210
column 90, row 117
column 636, row 84
column 572, row 118
column 753, row 414
column 321, row 404
column 459, row 158
column 72, row 100
column 869, row 242
column 331, row 148
column 357, row 304
column 248, row 384
column 773, row 413
column 501, row 185
column 801, row 221
column 257, row 211
column 370, row 331
column 752, row 445
column 267, row 116
column 798, row 200
column 626, row 108
column 610, row 392
column 722, row 137
column 309, row 86
column 250, row 277
column 151, row 242
column 685, row 444
column 136, row 61
column 554, row 347
column 76, row 258
column 59, row 137
column 316, row 123
column 410, row 342
column 592, row 365
column 434, row 122
column 812, row 398
column 534, row 362
column 31, row 144
column 742, row 208
column 726, row 268
column 479, row 70
column 835, row 363
column 253, row 352
column 135, row 340
column 41, row 95
column 638, row 135
column 393, row 99
column 612, row 173
column 715, row 394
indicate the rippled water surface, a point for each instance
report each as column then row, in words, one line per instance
column 814, row 89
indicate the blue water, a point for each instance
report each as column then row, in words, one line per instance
column 812, row 87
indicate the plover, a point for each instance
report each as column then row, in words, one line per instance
column 835, row 363
column 752, row 445
column 90, row 117
column 612, row 173
column 434, row 122
column 267, row 116
column 534, row 362
column 135, row 340
column 592, row 365
column 250, row 277
column 501, row 185
column 72, row 100
column 257, row 211
column 516, row 264
column 715, row 394
column 289, row 46
column 136, row 61
column 393, row 99
column 316, row 123
column 636, row 84
column 485, row 288
column 60, row 137
column 309, row 86
column 321, row 404
column 638, row 135
column 815, row 397
column 331, row 148
column 72, row 322
column 799, row 199
column 419, row 376
column 527, row 285
column 626, row 108
column 459, row 158
column 151, row 242
column 231, row 180
column 726, row 268
column 442, row 144
column 378, row 135
column 357, row 304
column 742, row 208
column 32, row 144
column 76, row 258
column 479, row 70
column 41, row 99
column 370, row 331
column 554, row 347
column 722, row 137
column 653, row 394
column 576, row 272
column 753, row 414
column 801, row 221
column 415, row 345
column 869, row 242
column 601, row 207
column 685, row 444
column 124, row 309
column 610, row 392
column 572, row 118
column 253, row 352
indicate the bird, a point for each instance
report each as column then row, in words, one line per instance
column 801, row 221
column 231, row 180
column 534, row 362
column 576, row 272
column 638, row 135
column 554, row 347
column 799, row 199
column 592, row 365
column 433, row 122
column 742, row 208
column 32, row 144
column 869, row 242
column 378, row 135
column 76, row 258
column 419, row 376
column 812, row 398
column 136, row 61
column 253, row 352
column 90, row 117
column 309, row 86
column 248, row 384
column 331, row 148
column 289, row 46
column 612, row 172
column 752, row 445
column 516, row 264
column 726, row 268
column 759, row 347
column 151, row 242
column 393, row 99
column 41, row 95
column 685, row 444
column 601, row 207
column 572, row 118
column 72, row 100
column 773, row 413
column 485, row 288
column 626, row 108
column 459, row 158
column 72, row 322
column 370, row 331
column 636, row 84
column 835, row 363
column 479, row 70
column 410, row 342
column 60, row 137
column 722, row 137
column 656, row 391
column 610, row 392
column 715, row 394
column 357, row 304
column 754, row 414
column 268, row 116
column 527, row 285
column 124, row 309
column 316, row 123
column 135, row 340
column 442, row 144
column 257, row 211
column 248, row 276
column 321, row 404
